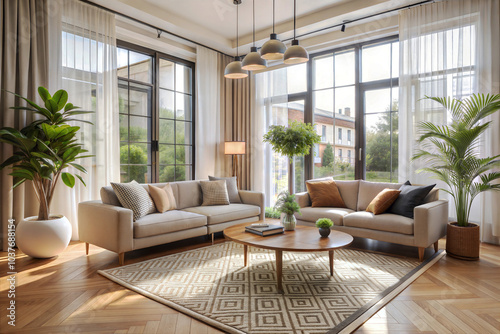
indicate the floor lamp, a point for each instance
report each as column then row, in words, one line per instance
column 235, row 148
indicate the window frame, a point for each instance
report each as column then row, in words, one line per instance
column 155, row 107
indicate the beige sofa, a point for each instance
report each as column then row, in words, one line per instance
column 427, row 227
column 108, row 225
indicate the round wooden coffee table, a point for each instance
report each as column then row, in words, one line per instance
column 303, row 239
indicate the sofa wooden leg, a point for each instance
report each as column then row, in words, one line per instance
column 436, row 246
column 87, row 248
column 121, row 259
column 213, row 237
column 421, row 251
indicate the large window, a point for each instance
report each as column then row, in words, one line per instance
column 355, row 96
column 156, row 116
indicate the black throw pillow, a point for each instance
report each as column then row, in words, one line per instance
column 409, row 197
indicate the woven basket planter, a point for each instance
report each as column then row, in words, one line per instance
column 462, row 242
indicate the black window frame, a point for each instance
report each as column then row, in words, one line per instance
column 155, row 109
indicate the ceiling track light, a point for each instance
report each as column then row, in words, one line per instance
column 295, row 54
column 253, row 61
column 273, row 49
column 233, row 70
column 158, row 31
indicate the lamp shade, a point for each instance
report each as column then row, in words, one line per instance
column 296, row 54
column 253, row 61
column 273, row 49
column 234, row 71
column 234, row 147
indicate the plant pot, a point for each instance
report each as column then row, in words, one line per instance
column 43, row 238
column 325, row 232
column 288, row 221
column 462, row 242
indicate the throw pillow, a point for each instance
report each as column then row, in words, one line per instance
column 409, row 197
column 214, row 192
column 134, row 197
column 383, row 201
column 325, row 193
column 232, row 187
column 163, row 198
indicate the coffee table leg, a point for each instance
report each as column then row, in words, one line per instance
column 279, row 269
column 245, row 254
column 330, row 255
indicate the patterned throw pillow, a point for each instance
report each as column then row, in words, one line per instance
column 163, row 198
column 232, row 187
column 134, row 197
column 214, row 192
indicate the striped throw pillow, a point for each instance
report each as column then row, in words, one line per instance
column 214, row 192
column 134, row 197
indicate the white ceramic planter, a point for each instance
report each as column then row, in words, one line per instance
column 43, row 238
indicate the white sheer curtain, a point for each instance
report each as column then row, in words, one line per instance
column 83, row 62
column 447, row 48
column 210, row 86
column 269, row 172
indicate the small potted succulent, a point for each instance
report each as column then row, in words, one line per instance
column 324, row 225
column 288, row 207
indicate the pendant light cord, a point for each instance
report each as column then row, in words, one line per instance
column 274, row 12
column 294, row 16
column 253, row 4
column 237, row 35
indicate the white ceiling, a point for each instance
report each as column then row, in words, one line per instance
column 213, row 22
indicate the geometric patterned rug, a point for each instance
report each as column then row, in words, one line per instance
column 212, row 285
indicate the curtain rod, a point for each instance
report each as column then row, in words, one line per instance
column 151, row 26
column 361, row 18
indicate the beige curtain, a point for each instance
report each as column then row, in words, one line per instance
column 23, row 67
column 237, row 126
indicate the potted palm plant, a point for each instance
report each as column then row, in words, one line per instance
column 287, row 205
column 42, row 152
column 292, row 141
column 451, row 155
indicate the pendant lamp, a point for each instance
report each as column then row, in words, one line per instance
column 253, row 61
column 295, row 54
column 273, row 49
column 233, row 69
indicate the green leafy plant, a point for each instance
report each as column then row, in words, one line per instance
column 295, row 140
column 46, row 147
column 451, row 151
column 272, row 213
column 324, row 223
column 286, row 204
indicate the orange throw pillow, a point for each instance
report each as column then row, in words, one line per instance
column 383, row 201
column 325, row 193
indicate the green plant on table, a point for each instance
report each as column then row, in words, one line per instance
column 324, row 223
column 451, row 151
column 272, row 213
column 46, row 147
column 286, row 204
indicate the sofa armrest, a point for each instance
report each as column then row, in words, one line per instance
column 430, row 222
column 106, row 226
column 254, row 198
column 303, row 199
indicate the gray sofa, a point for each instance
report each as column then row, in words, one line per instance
column 425, row 229
column 108, row 225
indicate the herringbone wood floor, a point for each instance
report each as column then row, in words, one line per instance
column 67, row 295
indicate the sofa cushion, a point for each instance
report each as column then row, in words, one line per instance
column 383, row 201
column 163, row 197
column 232, row 187
column 409, row 197
column 214, row 192
column 223, row 213
column 385, row 222
column 368, row 191
column 349, row 192
column 188, row 194
column 324, row 194
column 170, row 221
column 134, row 197
column 109, row 197
column 312, row 214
